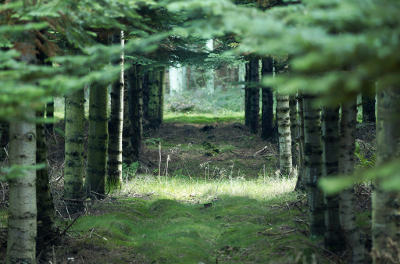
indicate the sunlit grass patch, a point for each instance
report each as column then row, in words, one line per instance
column 203, row 118
column 183, row 188
column 186, row 220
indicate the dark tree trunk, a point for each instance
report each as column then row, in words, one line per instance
column 3, row 140
column 135, row 110
column 267, row 125
column 254, row 95
column 368, row 108
column 50, row 115
column 46, row 229
column 247, row 95
column 294, row 129
column 152, row 98
column 313, row 165
column 330, row 135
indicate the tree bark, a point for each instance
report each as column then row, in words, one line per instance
column 97, row 143
column 22, row 230
column 254, row 95
column 368, row 107
column 347, row 201
column 135, row 110
column 313, row 164
column 301, row 184
column 22, row 210
column 386, row 204
column 4, row 131
column 294, row 129
column 115, row 126
column 74, row 139
column 267, row 124
column 152, row 98
column 50, row 115
column 46, row 228
column 330, row 136
column 247, row 95
column 285, row 141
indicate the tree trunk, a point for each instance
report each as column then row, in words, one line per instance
column 301, row 184
column 161, row 97
column 50, row 115
column 4, row 131
column 368, row 108
column 330, row 136
column 74, row 139
column 21, row 241
column 285, row 142
column 247, row 95
column 313, row 164
column 294, row 129
column 386, row 204
column 254, row 95
column 97, row 143
column 127, row 149
column 152, row 98
column 267, row 126
column 347, row 201
column 46, row 229
column 22, row 210
column 135, row 110
column 115, row 126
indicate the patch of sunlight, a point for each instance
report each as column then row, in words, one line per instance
column 184, row 188
column 203, row 118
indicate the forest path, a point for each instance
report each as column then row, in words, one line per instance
column 217, row 204
column 213, row 150
column 210, row 228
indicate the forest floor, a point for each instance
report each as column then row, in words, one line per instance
column 218, row 198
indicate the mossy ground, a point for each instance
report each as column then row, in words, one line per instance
column 181, row 220
column 221, row 200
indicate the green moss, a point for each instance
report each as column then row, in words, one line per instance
column 171, row 228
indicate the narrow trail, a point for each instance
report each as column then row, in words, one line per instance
column 221, row 203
